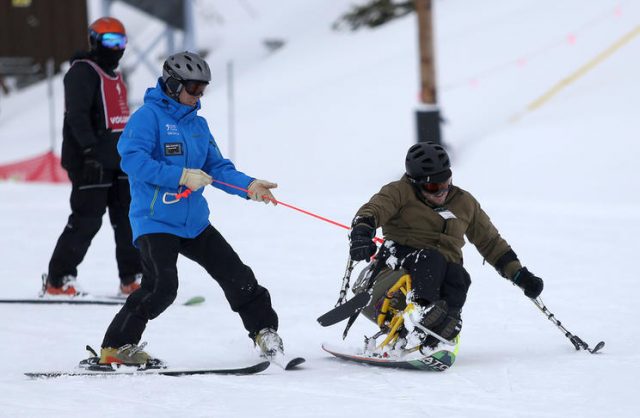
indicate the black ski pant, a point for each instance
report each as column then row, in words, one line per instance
column 434, row 278
column 89, row 202
column 160, row 284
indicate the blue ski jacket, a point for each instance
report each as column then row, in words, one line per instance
column 160, row 139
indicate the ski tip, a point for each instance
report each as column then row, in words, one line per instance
column 263, row 366
column 91, row 350
column 196, row 300
column 294, row 363
column 597, row 348
column 331, row 349
column 324, row 319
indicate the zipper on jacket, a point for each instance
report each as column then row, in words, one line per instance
column 186, row 163
column 153, row 201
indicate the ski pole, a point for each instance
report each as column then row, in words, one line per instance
column 577, row 342
column 187, row 192
column 345, row 281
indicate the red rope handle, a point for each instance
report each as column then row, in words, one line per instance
column 184, row 194
column 306, row 212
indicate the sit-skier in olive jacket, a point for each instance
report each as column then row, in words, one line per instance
column 424, row 220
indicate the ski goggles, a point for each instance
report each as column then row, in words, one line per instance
column 436, row 188
column 194, row 87
column 113, row 40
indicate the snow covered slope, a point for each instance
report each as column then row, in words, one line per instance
column 329, row 117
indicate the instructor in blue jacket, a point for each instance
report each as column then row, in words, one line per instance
column 167, row 150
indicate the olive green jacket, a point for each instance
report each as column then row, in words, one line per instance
column 408, row 219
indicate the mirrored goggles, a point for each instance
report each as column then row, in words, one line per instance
column 113, row 40
column 194, row 87
column 436, row 188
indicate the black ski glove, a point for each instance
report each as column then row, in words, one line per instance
column 532, row 285
column 361, row 245
column 92, row 170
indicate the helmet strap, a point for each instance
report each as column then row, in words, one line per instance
column 93, row 40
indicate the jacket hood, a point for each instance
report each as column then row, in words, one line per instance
column 158, row 97
column 81, row 55
column 108, row 60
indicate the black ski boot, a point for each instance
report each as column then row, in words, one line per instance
column 448, row 328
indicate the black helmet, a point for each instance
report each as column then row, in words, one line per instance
column 181, row 67
column 428, row 162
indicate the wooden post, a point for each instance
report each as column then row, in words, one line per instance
column 427, row 62
column 428, row 113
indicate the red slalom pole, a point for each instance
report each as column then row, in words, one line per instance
column 306, row 212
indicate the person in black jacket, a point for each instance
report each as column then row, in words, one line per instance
column 96, row 112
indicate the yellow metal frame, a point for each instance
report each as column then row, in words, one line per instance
column 404, row 285
column 395, row 323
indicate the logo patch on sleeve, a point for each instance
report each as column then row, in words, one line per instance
column 173, row 148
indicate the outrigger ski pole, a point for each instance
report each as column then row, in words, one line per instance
column 345, row 281
column 577, row 342
column 345, row 308
column 350, row 308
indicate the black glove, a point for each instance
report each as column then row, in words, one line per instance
column 92, row 171
column 361, row 245
column 532, row 285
